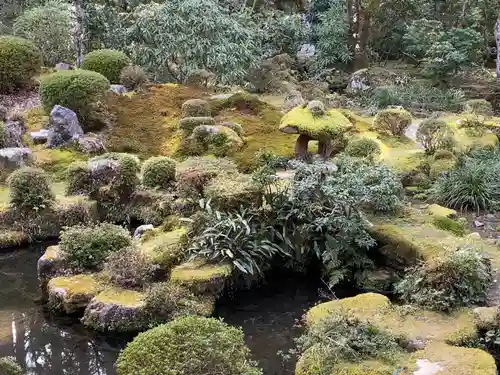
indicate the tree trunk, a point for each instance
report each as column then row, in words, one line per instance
column 78, row 36
column 497, row 38
column 301, row 146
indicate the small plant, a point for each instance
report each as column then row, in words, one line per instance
column 363, row 148
column 129, row 268
column 445, row 223
column 20, row 61
column 434, row 134
column 188, row 345
column 29, row 188
column 458, row 278
column 133, row 77
column 158, row 172
column 108, row 62
column 90, row 246
column 479, row 107
column 9, row 366
column 392, row 121
column 472, row 121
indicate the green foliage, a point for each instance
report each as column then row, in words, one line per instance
column 49, row 27
column 78, row 178
column 188, row 345
column 421, row 36
column 3, row 135
column 392, row 121
column 445, row 223
column 133, row 77
column 77, row 90
column 89, row 246
column 9, row 366
column 479, row 107
column 163, row 40
column 20, row 61
column 107, row 62
column 363, row 148
column 341, row 338
column 29, row 189
column 459, row 278
column 129, row 268
column 442, row 154
column 434, row 134
column 158, row 172
column 235, row 237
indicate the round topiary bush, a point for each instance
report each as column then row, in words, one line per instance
column 479, row 107
column 78, row 90
column 158, row 172
column 195, row 108
column 434, row 134
column 29, row 188
column 363, row 148
column 20, row 60
column 108, row 62
column 393, row 121
column 90, row 246
column 188, row 345
column 133, row 77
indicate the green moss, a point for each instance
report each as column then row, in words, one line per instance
column 122, row 297
column 301, row 120
column 450, row 225
column 165, row 248
column 365, row 368
column 201, row 278
column 440, row 166
column 437, row 210
column 56, row 161
column 72, row 293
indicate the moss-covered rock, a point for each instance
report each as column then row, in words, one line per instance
column 230, row 191
column 164, row 249
column 195, row 108
column 218, row 140
column 116, row 310
column 437, row 210
column 202, row 278
column 149, row 206
column 51, row 264
column 158, row 172
column 188, row 124
column 71, row 294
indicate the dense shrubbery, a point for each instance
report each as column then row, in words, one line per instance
column 9, row 366
column 78, row 90
column 189, row 345
column 20, row 61
column 435, row 135
column 133, row 77
column 49, row 27
column 392, row 121
column 129, row 268
column 107, row 62
column 363, row 148
column 158, row 172
column 479, row 107
column 88, row 247
column 29, row 188
column 458, row 278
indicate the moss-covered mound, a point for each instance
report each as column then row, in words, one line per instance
column 72, row 294
column 201, row 278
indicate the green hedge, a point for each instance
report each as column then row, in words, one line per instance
column 158, row 171
column 108, row 62
column 20, row 61
column 29, row 188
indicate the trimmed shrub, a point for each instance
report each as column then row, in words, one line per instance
column 78, row 178
column 78, row 90
column 393, row 121
column 20, row 61
column 363, row 148
column 439, row 167
column 90, row 246
column 195, row 108
column 29, row 188
column 133, row 77
column 479, row 107
column 435, row 135
column 458, row 278
column 158, row 171
column 472, row 121
column 129, row 268
column 188, row 345
column 108, row 62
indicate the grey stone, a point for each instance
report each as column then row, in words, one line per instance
column 63, row 66
column 103, row 171
column 91, row 144
column 307, row 51
column 14, row 131
column 415, row 344
column 142, row 229
column 474, row 236
column 118, row 89
column 478, row 224
column 64, row 127
column 14, row 158
column 40, row 136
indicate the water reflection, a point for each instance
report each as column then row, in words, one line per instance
column 42, row 344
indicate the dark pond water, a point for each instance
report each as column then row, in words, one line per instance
column 45, row 345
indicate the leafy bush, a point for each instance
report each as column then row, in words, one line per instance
column 158, row 171
column 435, row 135
column 458, row 278
column 20, row 61
column 89, row 246
column 442, row 154
column 473, row 184
column 9, row 366
column 236, row 237
column 392, row 121
column 129, row 268
column 363, row 148
column 78, row 90
column 479, row 107
column 133, row 77
column 188, row 345
column 472, row 121
column 440, row 167
column 107, row 62
column 29, row 188
column 49, row 27
column 3, row 135
column 341, row 338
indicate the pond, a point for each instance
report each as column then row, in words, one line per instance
column 44, row 344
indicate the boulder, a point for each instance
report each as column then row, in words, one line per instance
column 91, row 144
column 306, row 53
column 63, row 66
column 15, row 157
column 14, row 132
column 140, row 230
column 51, row 264
column 103, row 171
column 39, row 136
column 64, row 127
column 71, row 294
column 202, row 278
column 371, row 78
column 118, row 89
column 218, row 140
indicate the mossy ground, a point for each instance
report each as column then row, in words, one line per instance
column 76, row 285
column 122, row 297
